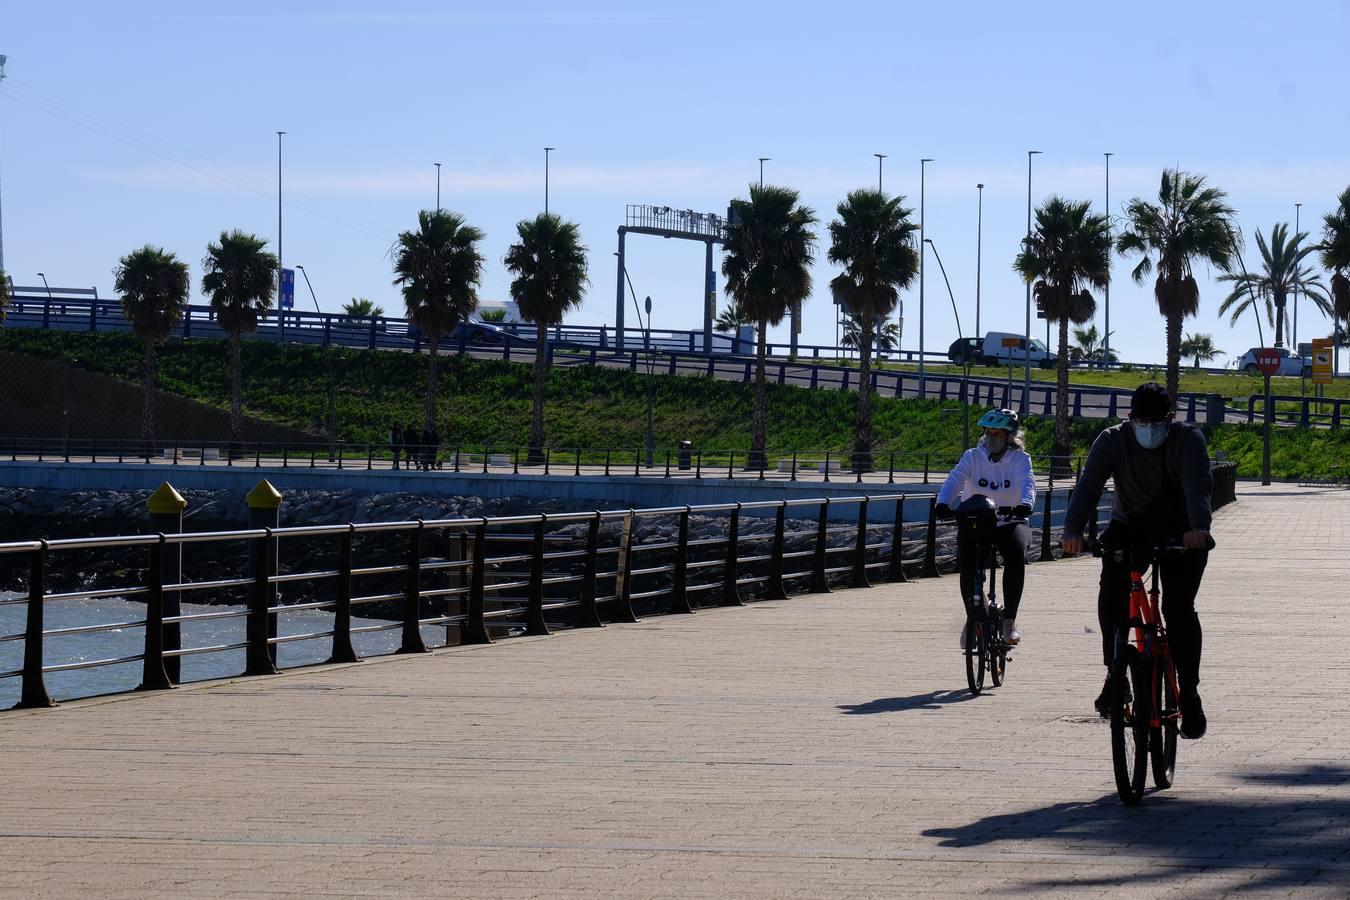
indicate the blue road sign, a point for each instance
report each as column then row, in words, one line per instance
column 287, row 288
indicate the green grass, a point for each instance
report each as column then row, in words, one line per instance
column 487, row 403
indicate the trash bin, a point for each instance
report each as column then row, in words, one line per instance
column 686, row 455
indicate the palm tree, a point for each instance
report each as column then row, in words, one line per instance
column 362, row 308
column 1067, row 254
column 1089, row 345
column 1335, row 249
column 731, row 318
column 1190, row 222
column 240, row 276
column 766, row 260
column 549, row 262
column 154, row 285
column 439, row 268
column 885, row 337
column 873, row 239
column 1201, row 347
column 1282, row 273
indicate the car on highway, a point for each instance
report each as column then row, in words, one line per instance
column 1005, row 348
column 1290, row 363
column 965, row 350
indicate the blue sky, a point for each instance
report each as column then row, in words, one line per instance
column 135, row 122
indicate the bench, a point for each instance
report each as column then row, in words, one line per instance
column 469, row 460
column 193, row 453
column 810, row 465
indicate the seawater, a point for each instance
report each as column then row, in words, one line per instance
column 130, row 640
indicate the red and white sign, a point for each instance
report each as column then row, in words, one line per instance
column 1268, row 360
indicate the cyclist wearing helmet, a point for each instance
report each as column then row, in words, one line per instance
column 1163, row 483
column 1000, row 469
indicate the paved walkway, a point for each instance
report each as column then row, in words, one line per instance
column 819, row 747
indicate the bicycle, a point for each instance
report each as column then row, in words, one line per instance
column 985, row 650
column 1145, row 697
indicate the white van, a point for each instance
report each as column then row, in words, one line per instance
column 1003, row 348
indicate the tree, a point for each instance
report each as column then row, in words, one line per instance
column 1282, row 272
column 549, row 262
column 362, row 308
column 885, row 337
column 154, row 286
column 1201, row 347
column 731, row 318
column 1067, row 254
column 1190, row 222
column 1089, row 345
column 766, row 260
column 1335, row 249
column 240, row 276
column 873, row 239
column 438, row 267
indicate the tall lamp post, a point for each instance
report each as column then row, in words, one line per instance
column 965, row 377
column 880, row 157
column 979, row 240
column 438, row 187
column 651, row 439
column 332, row 379
column 547, row 151
column 762, row 161
column 3, row 58
column 1026, row 350
column 281, row 313
column 1106, row 338
column 1298, row 208
column 923, row 172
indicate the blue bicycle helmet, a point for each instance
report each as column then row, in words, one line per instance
column 1003, row 419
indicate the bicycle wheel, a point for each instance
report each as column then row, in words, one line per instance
column 998, row 657
column 974, row 654
column 1129, row 723
column 1163, row 739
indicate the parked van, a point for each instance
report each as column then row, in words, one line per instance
column 996, row 352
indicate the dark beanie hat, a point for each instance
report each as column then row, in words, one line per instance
column 1150, row 401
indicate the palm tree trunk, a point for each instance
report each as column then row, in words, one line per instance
column 1279, row 319
column 536, row 449
column 862, row 437
column 236, row 389
column 148, row 407
column 432, row 374
column 758, row 437
column 1173, row 355
column 1059, row 452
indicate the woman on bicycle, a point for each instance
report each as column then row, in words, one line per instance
column 1000, row 469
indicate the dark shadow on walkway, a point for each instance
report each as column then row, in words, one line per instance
column 930, row 700
column 1282, row 839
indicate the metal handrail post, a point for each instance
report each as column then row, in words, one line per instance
column 819, row 583
column 897, row 567
column 153, row 675
column 679, row 587
column 930, row 569
column 343, row 651
column 860, row 549
column 588, row 616
column 731, row 595
column 534, row 611
column 258, row 655
column 474, row 630
column 412, row 595
column 33, row 694
column 623, row 579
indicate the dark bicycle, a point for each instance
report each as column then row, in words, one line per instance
column 1145, row 697
column 982, row 640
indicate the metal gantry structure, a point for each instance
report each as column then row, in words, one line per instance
column 669, row 222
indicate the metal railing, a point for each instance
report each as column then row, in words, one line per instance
column 1303, row 412
column 485, row 578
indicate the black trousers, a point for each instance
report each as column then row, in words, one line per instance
column 1012, row 541
column 1180, row 573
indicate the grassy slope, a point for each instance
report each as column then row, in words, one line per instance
column 488, row 403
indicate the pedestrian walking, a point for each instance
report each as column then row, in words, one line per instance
column 395, row 442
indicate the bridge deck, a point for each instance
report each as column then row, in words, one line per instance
column 823, row 746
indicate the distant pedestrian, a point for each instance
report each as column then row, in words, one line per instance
column 395, row 442
column 412, row 446
column 429, row 442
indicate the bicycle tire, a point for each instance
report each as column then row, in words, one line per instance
column 997, row 652
column 1163, row 739
column 1129, row 723
column 974, row 655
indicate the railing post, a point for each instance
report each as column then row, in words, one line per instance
column 1046, row 554
column 34, row 694
column 679, row 593
column 930, row 569
column 731, row 595
column 667, row 475
column 637, row 463
column 698, row 465
column 623, row 580
column 897, row 567
column 819, row 583
column 925, row 468
column 474, row 630
column 153, row 676
column 412, row 595
column 264, row 503
column 534, row 604
column 577, row 472
column 826, row 467
column 607, row 452
column 890, row 469
column 343, row 651
column 548, row 453
column 731, row 465
column 773, row 590
column 860, row 549
column 588, row 616
column 166, row 507
column 793, row 477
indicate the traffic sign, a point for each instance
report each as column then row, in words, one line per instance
column 287, row 289
column 1012, row 342
column 1322, row 361
column 1268, row 360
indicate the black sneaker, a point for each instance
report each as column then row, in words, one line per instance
column 1103, row 702
column 1193, row 721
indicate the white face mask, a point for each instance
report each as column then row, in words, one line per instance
column 996, row 442
column 1150, row 437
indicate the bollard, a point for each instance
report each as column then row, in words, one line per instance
column 153, row 675
column 264, row 504
column 897, row 568
column 412, row 595
column 534, row 604
column 930, row 569
column 623, row 586
column 819, row 583
column 679, row 593
column 474, row 630
column 34, row 694
column 587, row 614
column 343, row 651
column 860, row 549
column 773, row 590
column 1046, row 554
column 166, row 507
column 731, row 595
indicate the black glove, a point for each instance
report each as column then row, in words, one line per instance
column 1021, row 512
column 942, row 511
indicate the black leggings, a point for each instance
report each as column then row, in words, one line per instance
column 1181, row 574
column 1012, row 541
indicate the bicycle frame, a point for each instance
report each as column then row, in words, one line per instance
column 1150, row 634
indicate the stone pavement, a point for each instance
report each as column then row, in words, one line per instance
column 823, row 746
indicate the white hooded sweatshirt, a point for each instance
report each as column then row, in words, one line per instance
column 1008, row 481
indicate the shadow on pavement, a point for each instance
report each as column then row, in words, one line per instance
column 930, row 700
column 1282, row 840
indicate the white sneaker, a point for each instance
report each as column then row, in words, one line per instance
column 1010, row 633
column 963, row 637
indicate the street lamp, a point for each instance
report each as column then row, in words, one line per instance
column 332, row 377
column 880, row 157
column 651, row 440
column 762, row 161
column 1026, row 349
column 311, row 289
column 965, row 356
column 1106, row 338
column 979, row 239
column 547, row 151
column 3, row 58
column 923, row 172
column 438, row 187
column 1298, row 208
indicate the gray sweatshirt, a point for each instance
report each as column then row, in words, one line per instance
column 1169, row 486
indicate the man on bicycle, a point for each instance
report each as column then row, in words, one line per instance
column 1000, row 469
column 1162, row 492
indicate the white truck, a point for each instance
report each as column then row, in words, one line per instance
column 1004, row 348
